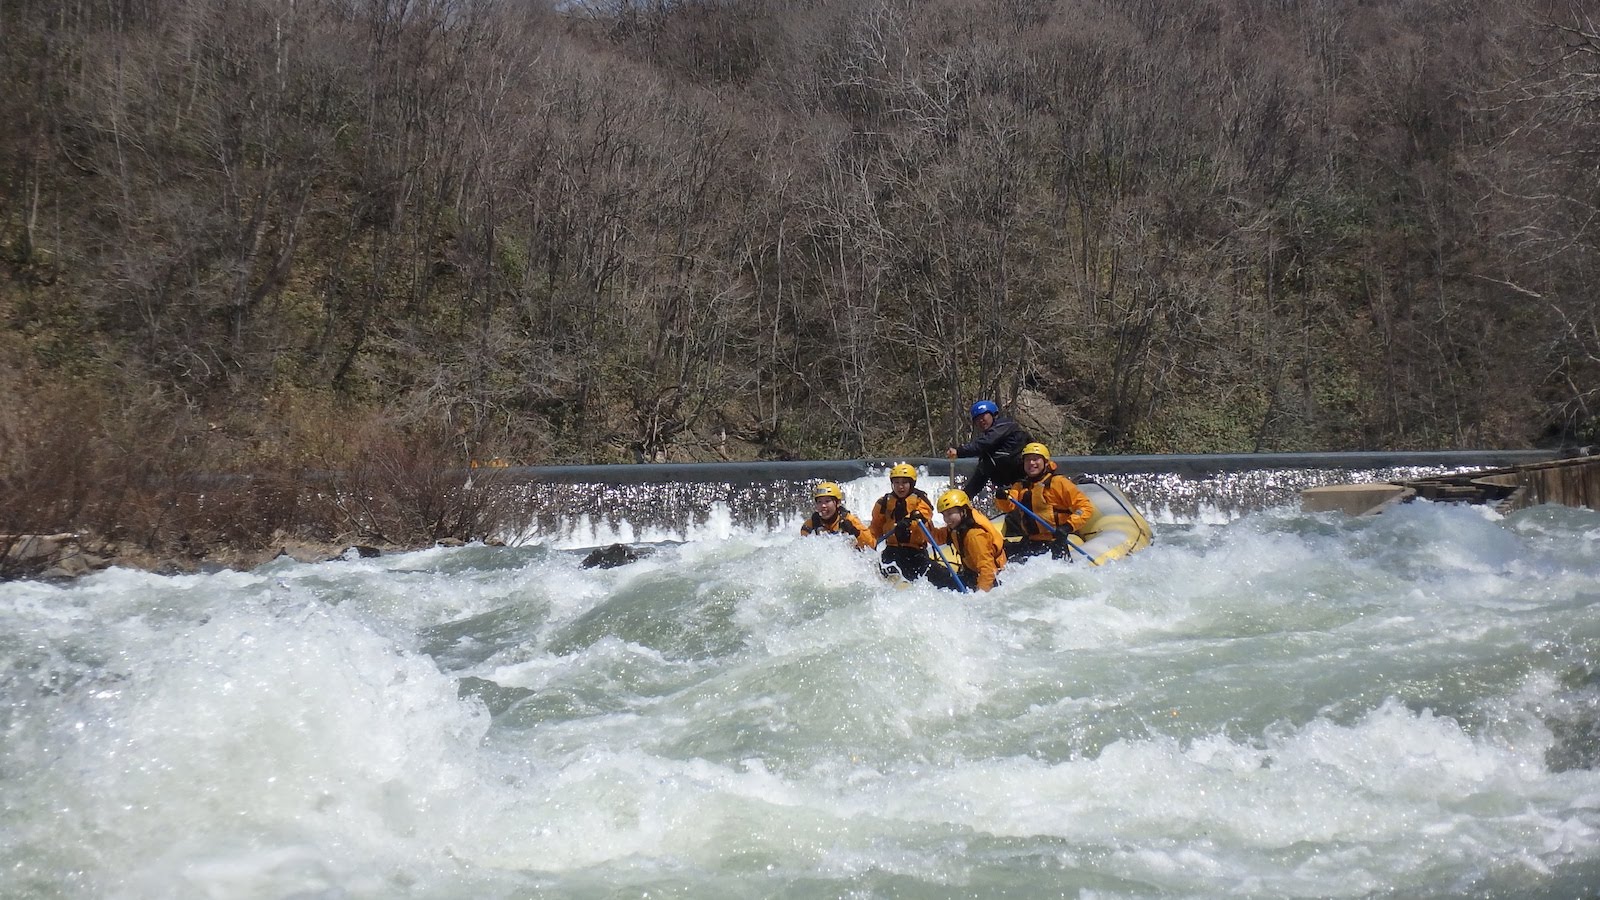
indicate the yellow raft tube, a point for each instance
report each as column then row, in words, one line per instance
column 1115, row 530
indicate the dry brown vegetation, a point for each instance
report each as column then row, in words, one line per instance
column 270, row 238
column 149, row 487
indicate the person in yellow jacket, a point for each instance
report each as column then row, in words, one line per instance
column 976, row 539
column 895, row 521
column 1053, row 497
column 831, row 517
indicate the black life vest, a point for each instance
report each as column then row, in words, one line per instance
column 902, row 528
column 824, row 526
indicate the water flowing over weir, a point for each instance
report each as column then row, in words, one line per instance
column 1267, row 703
column 583, row 506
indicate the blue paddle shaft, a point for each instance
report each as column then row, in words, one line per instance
column 934, row 545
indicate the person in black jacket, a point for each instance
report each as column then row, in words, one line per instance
column 998, row 447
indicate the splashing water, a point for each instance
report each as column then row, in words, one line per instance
column 1276, row 704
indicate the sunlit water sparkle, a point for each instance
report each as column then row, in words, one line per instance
column 1267, row 703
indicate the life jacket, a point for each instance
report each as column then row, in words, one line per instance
column 1055, row 515
column 842, row 521
column 1056, row 499
column 897, row 513
column 957, row 536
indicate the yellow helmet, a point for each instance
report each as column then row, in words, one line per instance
column 903, row 470
column 1036, row 449
column 827, row 489
column 953, row 499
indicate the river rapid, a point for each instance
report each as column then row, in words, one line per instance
column 1266, row 703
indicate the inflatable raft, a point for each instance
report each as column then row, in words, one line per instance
column 1115, row 530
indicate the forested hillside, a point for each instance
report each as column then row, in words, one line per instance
column 245, row 234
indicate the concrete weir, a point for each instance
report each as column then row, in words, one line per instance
column 1574, row 481
column 596, row 505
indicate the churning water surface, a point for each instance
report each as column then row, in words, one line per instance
column 1267, row 704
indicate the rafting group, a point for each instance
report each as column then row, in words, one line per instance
column 958, row 547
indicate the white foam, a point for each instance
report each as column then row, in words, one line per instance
column 1283, row 705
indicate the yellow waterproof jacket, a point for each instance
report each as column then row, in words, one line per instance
column 844, row 522
column 981, row 546
column 1054, row 498
column 889, row 517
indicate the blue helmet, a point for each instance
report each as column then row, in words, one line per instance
column 985, row 406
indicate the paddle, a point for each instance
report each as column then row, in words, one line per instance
column 933, row 545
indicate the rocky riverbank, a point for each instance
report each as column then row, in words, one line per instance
column 68, row 555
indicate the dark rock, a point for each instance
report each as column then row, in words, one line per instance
column 613, row 556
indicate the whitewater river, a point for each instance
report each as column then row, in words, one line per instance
column 1267, row 703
